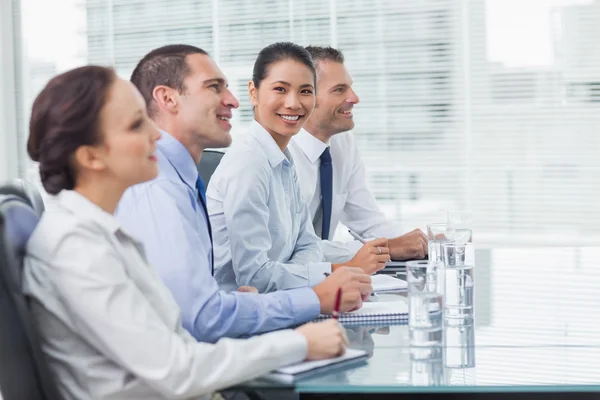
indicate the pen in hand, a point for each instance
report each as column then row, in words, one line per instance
column 355, row 236
column 338, row 301
column 362, row 240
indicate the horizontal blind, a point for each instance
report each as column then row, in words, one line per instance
column 442, row 124
column 534, row 141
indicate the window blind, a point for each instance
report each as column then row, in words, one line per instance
column 443, row 122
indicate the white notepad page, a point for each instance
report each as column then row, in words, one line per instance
column 310, row 365
column 386, row 283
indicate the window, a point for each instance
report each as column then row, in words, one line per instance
column 459, row 106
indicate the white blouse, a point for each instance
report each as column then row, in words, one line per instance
column 110, row 328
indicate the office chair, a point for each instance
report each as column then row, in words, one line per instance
column 25, row 190
column 209, row 163
column 24, row 373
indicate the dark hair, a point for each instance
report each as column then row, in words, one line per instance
column 64, row 117
column 278, row 52
column 320, row 53
column 166, row 66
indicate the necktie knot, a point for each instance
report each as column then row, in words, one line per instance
column 201, row 187
column 326, row 156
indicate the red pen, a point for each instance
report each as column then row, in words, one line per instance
column 338, row 301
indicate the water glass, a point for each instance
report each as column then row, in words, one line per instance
column 460, row 235
column 454, row 254
column 458, row 282
column 436, row 235
column 426, row 306
column 460, row 230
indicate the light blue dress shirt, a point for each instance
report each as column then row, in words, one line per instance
column 166, row 215
column 263, row 234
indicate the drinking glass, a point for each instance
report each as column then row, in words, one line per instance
column 458, row 281
column 436, row 235
column 426, row 304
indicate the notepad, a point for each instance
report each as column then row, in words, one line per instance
column 292, row 373
column 395, row 264
column 398, row 264
column 395, row 312
column 388, row 284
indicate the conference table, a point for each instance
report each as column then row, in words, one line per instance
column 535, row 334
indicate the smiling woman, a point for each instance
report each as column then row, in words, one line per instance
column 262, row 231
column 282, row 90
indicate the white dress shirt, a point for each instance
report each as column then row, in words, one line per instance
column 262, row 232
column 353, row 204
column 110, row 328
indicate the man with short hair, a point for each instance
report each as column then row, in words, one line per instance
column 188, row 98
column 331, row 173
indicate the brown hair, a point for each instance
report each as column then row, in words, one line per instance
column 165, row 66
column 319, row 54
column 65, row 116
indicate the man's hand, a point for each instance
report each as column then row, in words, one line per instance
column 355, row 285
column 371, row 257
column 412, row 245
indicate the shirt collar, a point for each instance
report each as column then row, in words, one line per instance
column 310, row 145
column 179, row 157
column 82, row 207
column 267, row 144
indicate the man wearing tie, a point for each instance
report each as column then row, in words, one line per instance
column 187, row 97
column 331, row 173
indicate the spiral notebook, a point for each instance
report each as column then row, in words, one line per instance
column 306, row 369
column 393, row 312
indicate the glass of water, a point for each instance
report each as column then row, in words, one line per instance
column 460, row 230
column 460, row 235
column 458, row 281
column 454, row 253
column 436, row 235
column 426, row 304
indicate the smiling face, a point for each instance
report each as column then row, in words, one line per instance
column 335, row 101
column 284, row 100
column 206, row 106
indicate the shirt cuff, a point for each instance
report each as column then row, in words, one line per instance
column 290, row 345
column 305, row 304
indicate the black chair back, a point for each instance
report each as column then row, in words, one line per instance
column 209, row 163
column 25, row 190
column 24, row 372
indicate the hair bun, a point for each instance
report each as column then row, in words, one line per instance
column 55, row 178
column 64, row 116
